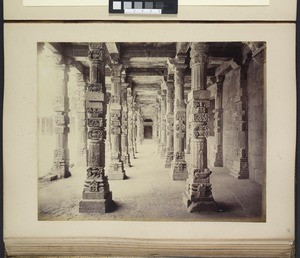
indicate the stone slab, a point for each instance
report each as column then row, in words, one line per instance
column 50, row 177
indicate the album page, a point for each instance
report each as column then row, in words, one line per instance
column 90, row 151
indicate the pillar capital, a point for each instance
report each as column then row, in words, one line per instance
column 116, row 70
column 95, row 52
column 199, row 54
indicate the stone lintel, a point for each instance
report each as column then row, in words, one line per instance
column 226, row 67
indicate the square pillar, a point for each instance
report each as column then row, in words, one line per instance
column 116, row 168
column 96, row 196
column 170, row 121
column 179, row 166
column 81, row 159
column 218, row 124
column 125, row 156
column 198, row 195
column 163, row 124
column 60, row 168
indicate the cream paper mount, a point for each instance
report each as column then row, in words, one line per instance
column 24, row 234
column 276, row 10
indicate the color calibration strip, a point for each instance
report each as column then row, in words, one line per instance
column 143, row 7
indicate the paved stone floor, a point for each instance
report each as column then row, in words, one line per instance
column 150, row 194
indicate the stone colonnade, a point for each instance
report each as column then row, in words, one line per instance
column 181, row 127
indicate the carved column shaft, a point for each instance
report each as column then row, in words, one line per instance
column 124, row 135
column 240, row 167
column 130, row 123
column 170, row 122
column 96, row 195
column 179, row 169
column 158, row 124
column 218, row 124
column 198, row 196
column 60, row 167
column 108, row 127
column 81, row 121
column 116, row 169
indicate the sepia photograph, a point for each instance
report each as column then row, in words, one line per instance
column 151, row 131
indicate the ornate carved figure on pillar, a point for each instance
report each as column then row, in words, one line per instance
column 81, row 121
column 125, row 157
column 198, row 195
column 96, row 195
column 179, row 167
column 170, row 121
column 116, row 169
column 218, row 124
column 163, row 124
column 60, row 167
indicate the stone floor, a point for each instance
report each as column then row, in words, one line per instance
column 150, row 194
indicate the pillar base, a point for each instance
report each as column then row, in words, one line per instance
column 218, row 163
column 204, row 204
column 60, row 173
column 240, row 169
column 179, row 171
column 169, row 159
column 126, row 160
column 96, row 206
column 116, row 171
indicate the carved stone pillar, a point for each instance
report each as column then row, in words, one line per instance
column 170, row 121
column 108, row 128
column 130, row 123
column 218, row 124
column 125, row 157
column 240, row 168
column 188, row 131
column 158, row 124
column 179, row 168
column 163, row 124
column 140, row 128
column 81, row 121
column 135, row 129
column 116, row 169
column 198, row 195
column 96, row 197
column 60, row 167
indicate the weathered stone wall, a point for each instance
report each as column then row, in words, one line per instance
column 230, row 135
column 256, row 144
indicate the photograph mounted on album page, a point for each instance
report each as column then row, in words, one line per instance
column 193, row 10
column 149, row 136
